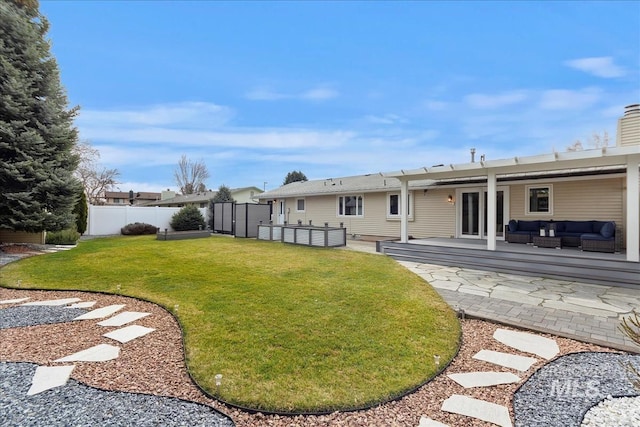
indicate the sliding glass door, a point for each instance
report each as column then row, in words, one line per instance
column 472, row 212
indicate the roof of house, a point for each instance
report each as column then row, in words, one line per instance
column 558, row 161
column 137, row 195
column 588, row 162
column 200, row 197
column 182, row 199
column 350, row 184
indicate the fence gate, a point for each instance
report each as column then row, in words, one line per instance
column 249, row 216
column 240, row 219
column 222, row 217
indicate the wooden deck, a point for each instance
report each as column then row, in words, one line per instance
column 569, row 264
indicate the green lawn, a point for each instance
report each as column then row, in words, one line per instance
column 290, row 328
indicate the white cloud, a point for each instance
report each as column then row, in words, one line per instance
column 319, row 93
column 265, row 94
column 600, row 66
column 386, row 119
column 239, row 138
column 200, row 114
column 484, row 101
column 564, row 99
column 433, row 105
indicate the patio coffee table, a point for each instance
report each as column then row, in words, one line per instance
column 547, row 242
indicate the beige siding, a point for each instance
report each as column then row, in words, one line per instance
column 434, row 215
column 582, row 200
column 7, row 236
column 321, row 209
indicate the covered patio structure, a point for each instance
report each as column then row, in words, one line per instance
column 627, row 158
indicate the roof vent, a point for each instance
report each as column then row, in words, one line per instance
column 632, row 109
column 629, row 126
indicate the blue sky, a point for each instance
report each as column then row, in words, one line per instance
column 259, row 89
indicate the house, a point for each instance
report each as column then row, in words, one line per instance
column 476, row 200
column 203, row 198
column 119, row 198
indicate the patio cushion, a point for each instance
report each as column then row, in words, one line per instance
column 513, row 225
column 528, row 225
column 608, row 229
column 594, row 236
column 560, row 226
column 578, row 227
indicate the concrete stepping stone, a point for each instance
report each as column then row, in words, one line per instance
column 428, row 422
column 476, row 408
column 484, row 379
column 53, row 302
column 128, row 333
column 512, row 361
column 528, row 343
column 100, row 313
column 84, row 304
column 48, row 377
column 123, row 318
column 13, row 301
column 98, row 353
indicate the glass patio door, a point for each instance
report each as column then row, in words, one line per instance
column 470, row 217
column 472, row 212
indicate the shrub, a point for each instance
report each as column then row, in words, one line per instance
column 63, row 237
column 138, row 228
column 81, row 210
column 187, row 218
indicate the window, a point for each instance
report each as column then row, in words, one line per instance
column 299, row 205
column 350, row 206
column 393, row 206
column 539, row 199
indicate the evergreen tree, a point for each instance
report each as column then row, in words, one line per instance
column 81, row 213
column 223, row 195
column 38, row 190
column 294, row 176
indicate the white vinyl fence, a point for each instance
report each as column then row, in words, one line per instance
column 108, row 220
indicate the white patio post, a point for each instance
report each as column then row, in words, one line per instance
column 633, row 208
column 404, row 202
column 491, row 209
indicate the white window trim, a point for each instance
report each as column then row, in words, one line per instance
column 527, row 200
column 305, row 204
column 397, row 216
column 339, row 215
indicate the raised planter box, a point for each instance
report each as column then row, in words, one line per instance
column 181, row 235
column 304, row 235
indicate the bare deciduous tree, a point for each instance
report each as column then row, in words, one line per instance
column 95, row 179
column 190, row 176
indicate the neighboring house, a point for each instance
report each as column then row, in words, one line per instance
column 476, row 200
column 119, row 198
column 203, row 198
column 246, row 194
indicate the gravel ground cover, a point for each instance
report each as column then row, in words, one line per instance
column 560, row 392
column 16, row 317
column 79, row 405
column 154, row 364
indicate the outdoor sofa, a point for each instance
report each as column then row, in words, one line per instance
column 596, row 236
